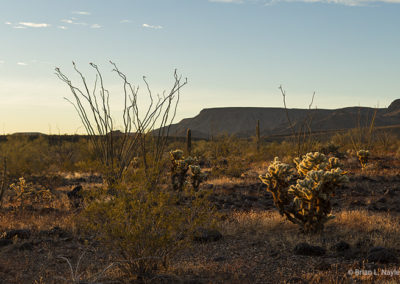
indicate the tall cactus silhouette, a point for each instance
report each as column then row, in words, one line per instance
column 189, row 141
column 258, row 135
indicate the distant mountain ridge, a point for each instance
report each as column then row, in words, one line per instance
column 241, row 121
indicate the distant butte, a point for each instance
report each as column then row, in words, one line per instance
column 241, row 121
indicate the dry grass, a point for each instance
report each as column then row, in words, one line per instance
column 258, row 248
column 35, row 220
column 224, row 181
column 381, row 228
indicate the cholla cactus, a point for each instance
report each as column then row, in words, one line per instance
column 20, row 190
column 25, row 192
column 197, row 176
column 363, row 156
column 278, row 178
column 180, row 168
column 303, row 194
column 311, row 198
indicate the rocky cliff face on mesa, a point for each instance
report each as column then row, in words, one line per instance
column 241, row 121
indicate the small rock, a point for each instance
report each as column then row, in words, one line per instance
column 381, row 255
column 207, row 235
column 340, row 246
column 306, row 249
column 21, row 234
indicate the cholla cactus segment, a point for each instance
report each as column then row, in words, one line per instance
column 363, row 153
column 20, row 187
column 176, row 155
column 196, row 170
column 334, row 163
column 197, row 176
column 278, row 178
column 318, row 184
column 277, row 173
column 311, row 162
column 363, row 156
column 191, row 161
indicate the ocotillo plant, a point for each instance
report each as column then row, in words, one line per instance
column 189, row 141
column 258, row 135
column 137, row 138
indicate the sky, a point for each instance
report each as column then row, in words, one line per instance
column 234, row 53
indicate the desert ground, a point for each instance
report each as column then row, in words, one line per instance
column 250, row 242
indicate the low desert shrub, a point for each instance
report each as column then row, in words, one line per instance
column 26, row 155
column 144, row 228
column 302, row 193
column 232, row 167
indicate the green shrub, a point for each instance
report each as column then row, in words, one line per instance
column 230, row 167
column 144, row 228
column 26, row 155
column 302, row 194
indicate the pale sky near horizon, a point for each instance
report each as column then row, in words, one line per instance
column 233, row 52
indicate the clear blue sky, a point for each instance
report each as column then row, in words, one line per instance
column 234, row 53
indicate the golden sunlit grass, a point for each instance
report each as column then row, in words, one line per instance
column 250, row 237
column 224, row 181
column 381, row 228
column 35, row 220
column 58, row 213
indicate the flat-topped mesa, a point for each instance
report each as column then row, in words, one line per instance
column 394, row 106
column 241, row 121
